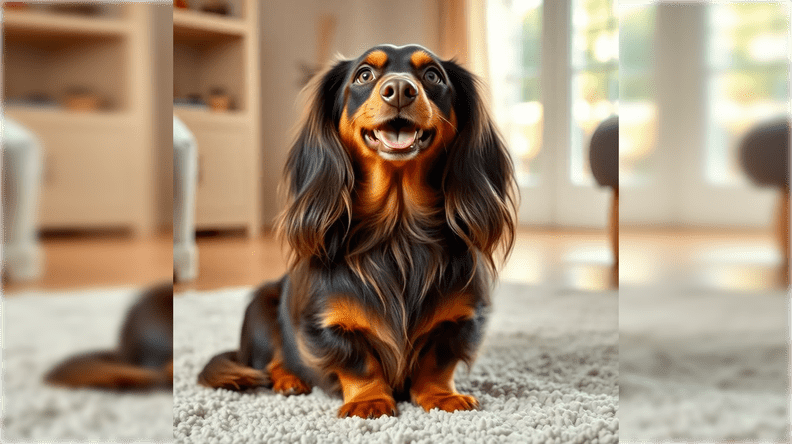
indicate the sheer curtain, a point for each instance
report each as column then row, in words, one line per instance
column 463, row 35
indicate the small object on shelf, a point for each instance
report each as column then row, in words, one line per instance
column 216, row 7
column 86, row 8
column 192, row 100
column 182, row 4
column 82, row 99
column 39, row 99
column 15, row 5
column 219, row 100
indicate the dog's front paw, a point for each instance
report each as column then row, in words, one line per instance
column 449, row 402
column 289, row 384
column 286, row 382
column 370, row 408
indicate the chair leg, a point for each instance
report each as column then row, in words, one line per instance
column 614, row 236
column 783, row 234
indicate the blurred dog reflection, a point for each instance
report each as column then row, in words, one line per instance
column 144, row 358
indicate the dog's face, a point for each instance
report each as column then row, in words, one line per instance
column 396, row 104
column 396, row 123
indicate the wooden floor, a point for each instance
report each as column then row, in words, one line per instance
column 574, row 259
column 73, row 262
column 236, row 261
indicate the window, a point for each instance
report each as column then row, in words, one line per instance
column 748, row 79
column 515, row 64
column 638, row 110
column 594, row 77
column 553, row 73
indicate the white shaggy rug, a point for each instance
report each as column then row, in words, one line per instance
column 703, row 366
column 548, row 373
column 42, row 328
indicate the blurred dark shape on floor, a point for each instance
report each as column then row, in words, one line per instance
column 764, row 155
column 144, row 358
column 604, row 160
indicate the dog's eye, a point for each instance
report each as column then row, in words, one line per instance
column 365, row 75
column 433, row 76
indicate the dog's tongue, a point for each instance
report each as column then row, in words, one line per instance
column 398, row 139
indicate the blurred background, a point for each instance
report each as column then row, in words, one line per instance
column 704, row 221
column 551, row 76
column 87, row 206
column 85, row 91
column 684, row 207
column 550, row 72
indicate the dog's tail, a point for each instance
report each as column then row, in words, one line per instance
column 225, row 371
column 260, row 342
column 107, row 370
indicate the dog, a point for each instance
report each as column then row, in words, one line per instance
column 401, row 197
column 144, row 358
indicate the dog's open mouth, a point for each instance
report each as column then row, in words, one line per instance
column 398, row 136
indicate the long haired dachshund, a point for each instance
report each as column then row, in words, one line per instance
column 144, row 358
column 401, row 195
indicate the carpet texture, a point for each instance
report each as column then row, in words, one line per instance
column 547, row 373
column 40, row 329
column 703, row 366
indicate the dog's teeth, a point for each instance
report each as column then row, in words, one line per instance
column 418, row 134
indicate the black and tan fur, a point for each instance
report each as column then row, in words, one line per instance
column 143, row 359
column 393, row 255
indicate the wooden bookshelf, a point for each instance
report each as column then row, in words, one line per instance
column 41, row 25
column 202, row 26
column 98, row 163
column 211, row 52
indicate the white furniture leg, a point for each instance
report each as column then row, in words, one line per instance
column 185, row 177
column 22, row 170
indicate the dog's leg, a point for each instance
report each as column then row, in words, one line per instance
column 355, row 345
column 284, row 381
column 366, row 395
column 453, row 335
column 433, row 386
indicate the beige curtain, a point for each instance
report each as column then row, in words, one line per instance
column 454, row 29
column 463, row 32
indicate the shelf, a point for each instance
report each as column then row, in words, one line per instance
column 209, row 117
column 194, row 26
column 43, row 26
column 202, row 67
column 60, row 115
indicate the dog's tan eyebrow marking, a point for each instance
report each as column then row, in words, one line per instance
column 376, row 59
column 420, row 58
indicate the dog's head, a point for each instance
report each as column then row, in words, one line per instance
column 404, row 106
column 396, row 103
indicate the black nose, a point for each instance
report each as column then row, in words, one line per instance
column 398, row 92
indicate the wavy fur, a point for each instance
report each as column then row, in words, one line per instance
column 391, row 260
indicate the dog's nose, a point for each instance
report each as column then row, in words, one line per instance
column 398, row 92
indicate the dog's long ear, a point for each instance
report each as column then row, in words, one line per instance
column 478, row 180
column 319, row 175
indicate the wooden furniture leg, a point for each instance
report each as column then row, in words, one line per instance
column 783, row 234
column 614, row 237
